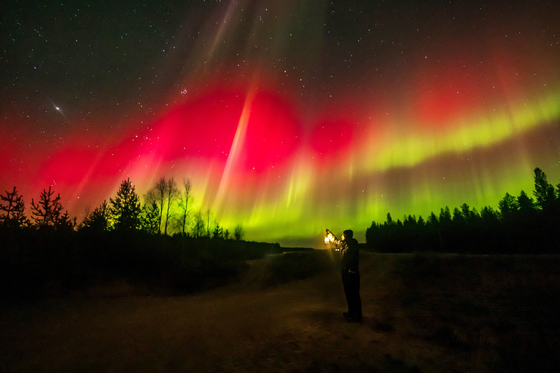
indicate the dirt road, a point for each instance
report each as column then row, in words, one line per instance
column 293, row 327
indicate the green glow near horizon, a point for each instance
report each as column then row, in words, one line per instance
column 414, row 172
column 483, row 186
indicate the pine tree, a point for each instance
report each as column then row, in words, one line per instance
column 489, row 216
column 239, row 232
column 218, row 231
column 466, row 211
column 47, row 211
column 508, row 206
column 526, row 204
column 445, row 216
column 14, row 209
column 98, row 220
column 125, row 208
column 372, row 234
column 409, row 221
column 149, row 218
column 389, row 219
column 66, row 223
column 458, row 218
column 544, row 192
column 432, row 219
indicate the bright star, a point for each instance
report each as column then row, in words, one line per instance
column 58, row 109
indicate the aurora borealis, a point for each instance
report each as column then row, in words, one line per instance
column 287, row 116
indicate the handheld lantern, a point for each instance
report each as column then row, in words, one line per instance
column 330, row 237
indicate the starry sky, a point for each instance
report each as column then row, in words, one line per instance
column 287, row 116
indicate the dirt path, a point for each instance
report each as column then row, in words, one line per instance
column 294, row 327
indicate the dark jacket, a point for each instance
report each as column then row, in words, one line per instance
column 350, row 256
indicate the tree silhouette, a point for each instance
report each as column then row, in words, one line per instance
column 557, row 202
column 218, row 231
column 125, row 208
column 150, row 214
column 409, row 221
column 520, row 225
column 171, row 193
column 47, row 211
column 389, row 219
column 66, row 223
column 489, row 216
column 165, row 193
column 199, row 227
column 238, row 233
column 208, row 214
column 508, row 206
column 98, row 220
column 373, row 235
column 544, row 192
column 471, row 216
column 526, row 204
column 432, row 219
column 159, row 193
column 149, row 218
column 185, row 200
column 14, row 209
column 458, row 218
column 434, row 227
column 445, row 216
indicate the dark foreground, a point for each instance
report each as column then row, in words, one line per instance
column 421, row 314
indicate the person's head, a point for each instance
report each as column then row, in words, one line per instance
column 347, row 234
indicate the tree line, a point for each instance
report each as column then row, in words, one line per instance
column 162, row 240
column 521, row 224
column 166, row 210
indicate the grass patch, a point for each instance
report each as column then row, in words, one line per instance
column 500, row 308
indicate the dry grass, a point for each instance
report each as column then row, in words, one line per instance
column 422, row 314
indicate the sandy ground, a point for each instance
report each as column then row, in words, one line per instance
column 293, row 327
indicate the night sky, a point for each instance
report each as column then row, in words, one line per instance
column 287, row 116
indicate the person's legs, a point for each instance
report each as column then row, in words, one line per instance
column 347, row 290
column 353, row 297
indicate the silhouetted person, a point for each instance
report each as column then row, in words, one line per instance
column 350, row 260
